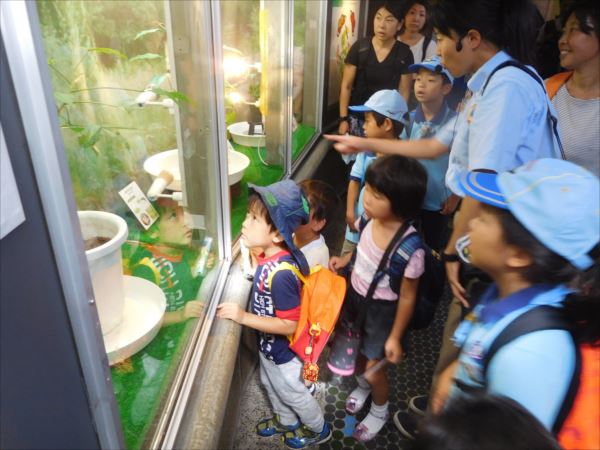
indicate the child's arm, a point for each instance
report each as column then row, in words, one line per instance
column 422, row 148
column 272, row 325
column 193, row 308
column 352, row 198
column 339, row 262
column 406, row 305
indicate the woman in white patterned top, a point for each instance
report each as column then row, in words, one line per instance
column 576, row 93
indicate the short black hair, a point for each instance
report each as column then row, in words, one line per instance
column 380, row 118
column 402, row 180
column 321, row 197
column 393, row 7
column 483, row 421
column 584, row 10
column 511, row 25
column 548, row 266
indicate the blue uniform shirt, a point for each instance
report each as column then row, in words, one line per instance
column 502, row 129
column 534, row 369
column 359, row 169
column 421, row 128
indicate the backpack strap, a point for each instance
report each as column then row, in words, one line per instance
column 285, row 266
column 538, row 319
column 553, row 120
column 555, row 82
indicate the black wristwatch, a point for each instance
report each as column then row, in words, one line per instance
column 343, row 119
column 449, row 257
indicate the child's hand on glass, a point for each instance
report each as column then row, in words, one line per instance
column 393, row 350
column 231, row 311
column 193, row 308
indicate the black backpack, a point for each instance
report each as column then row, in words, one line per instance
column 431, row 283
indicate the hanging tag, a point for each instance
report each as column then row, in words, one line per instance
column 139, row 204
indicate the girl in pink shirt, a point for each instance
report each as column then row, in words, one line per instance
column 395, row 189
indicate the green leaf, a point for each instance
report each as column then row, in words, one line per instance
column 157, row 80
column 145, row 56
column 173, row 95
column 90, row 136
column 145, row 32
column 63, row 97
column 109, row 51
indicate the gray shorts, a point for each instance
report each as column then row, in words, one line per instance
column 348, row 247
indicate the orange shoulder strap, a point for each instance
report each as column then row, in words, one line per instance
column 580, row 430
column 554, row 83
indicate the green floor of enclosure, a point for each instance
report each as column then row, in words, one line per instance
column 262, row 174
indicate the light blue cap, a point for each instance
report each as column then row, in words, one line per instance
column 556, row 200
column 387, row 102
column 433, row 64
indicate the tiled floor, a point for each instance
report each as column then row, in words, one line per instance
column 411, row 377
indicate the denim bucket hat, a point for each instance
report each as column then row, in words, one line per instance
column 556, row 200
column 388, row 103
column 288, row 209
column 433, row 64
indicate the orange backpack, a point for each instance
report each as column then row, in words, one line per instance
column 555, row 82
column 577, row 424
column 320, row 306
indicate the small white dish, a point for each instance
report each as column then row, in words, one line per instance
column 145, row 305
column 239, row 132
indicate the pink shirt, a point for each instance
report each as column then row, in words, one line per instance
column 368, row 256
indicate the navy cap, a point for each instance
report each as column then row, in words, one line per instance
column 288, row 209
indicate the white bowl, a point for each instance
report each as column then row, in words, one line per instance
column 143, row 313
column 239, row 133
column 169, row 160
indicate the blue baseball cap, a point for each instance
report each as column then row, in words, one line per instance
column 556, row 200
column 288, row 209
column 387, row 102
column 433, row 64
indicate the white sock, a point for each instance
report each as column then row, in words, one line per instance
column 376, row 419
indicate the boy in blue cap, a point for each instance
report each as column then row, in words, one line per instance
column 432, row 83
column 274, row 212
column 384, row 118
column 539, row 228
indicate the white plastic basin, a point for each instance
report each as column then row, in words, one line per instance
column 239, row 133
column 169, row 161
column 105, row 264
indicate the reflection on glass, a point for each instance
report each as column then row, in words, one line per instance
column 243, row 38
column 303, row 125
column 117, row 107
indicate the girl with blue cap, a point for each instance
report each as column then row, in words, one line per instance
column 539, row 228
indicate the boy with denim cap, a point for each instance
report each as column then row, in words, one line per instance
column 432, row 83
column 385, row 118
column 274, row 212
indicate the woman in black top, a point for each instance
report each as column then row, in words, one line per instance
column 375, row 63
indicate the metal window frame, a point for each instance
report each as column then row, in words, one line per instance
column 24, row 47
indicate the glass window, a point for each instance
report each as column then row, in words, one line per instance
column 131, row 116
column 253, row 38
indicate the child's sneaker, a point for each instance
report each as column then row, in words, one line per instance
column 271, row 426
column 407, row 424
column 303, row 437
column 370, row 426
column 356, row 400
column 418, row 404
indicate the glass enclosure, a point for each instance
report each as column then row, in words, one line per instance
column 166, row 117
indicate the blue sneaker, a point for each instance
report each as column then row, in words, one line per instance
column 304, row 437
column 271, row 426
